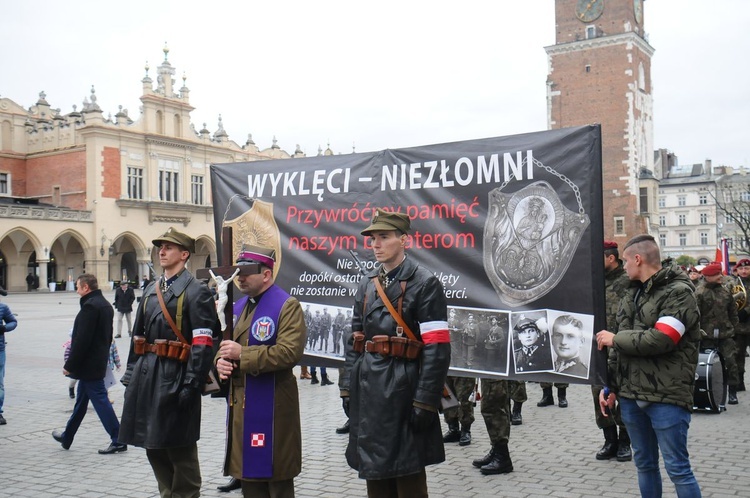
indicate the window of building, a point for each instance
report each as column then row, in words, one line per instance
column 619, row 225
column 5, row 184
column 135, row 183
column 590, row 32
column 681, row 200
column 196, row 189
column 681, row 218
column 704, row 218
column 662, row 220
column 683, row 239
column 745, row 196
column 662, row 202
column 169, row 185
column 662, row 239
column 704, row 238
column 703, row 199
column 644, row 199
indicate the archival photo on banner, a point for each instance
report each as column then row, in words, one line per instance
column 511, row 226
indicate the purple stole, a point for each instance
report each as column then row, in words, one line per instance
column 257, row 437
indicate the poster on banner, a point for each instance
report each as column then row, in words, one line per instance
column 511, row 226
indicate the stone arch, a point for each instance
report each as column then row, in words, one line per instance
column 17, row 245
column 127, row 257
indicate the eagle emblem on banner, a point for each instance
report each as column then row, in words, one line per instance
column 257, row 226
column 263, row 328
column 530, row 238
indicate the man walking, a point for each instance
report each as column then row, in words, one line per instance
column 654, row 356
column 124, row 297
column 170, row 356
column 264, row 435
column 87, row 362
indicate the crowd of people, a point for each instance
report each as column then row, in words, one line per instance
column 398, row 341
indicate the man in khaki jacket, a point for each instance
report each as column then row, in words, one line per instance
column 264, row 442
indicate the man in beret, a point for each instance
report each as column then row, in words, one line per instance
column 392, row 400
column 718, row 321
column 742, row 333
column 162, row 410
column 264, row 438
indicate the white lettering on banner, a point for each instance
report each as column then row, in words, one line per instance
column 413, row 176
column 434, row 174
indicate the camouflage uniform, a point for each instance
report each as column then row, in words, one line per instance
column 718, row 322
column 646, row 364
column 464, row 412
column 496, row 395
column 742, row 337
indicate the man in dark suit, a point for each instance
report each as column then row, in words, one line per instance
column 89, row 351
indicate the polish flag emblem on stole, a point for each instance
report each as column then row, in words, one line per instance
column 257, row 440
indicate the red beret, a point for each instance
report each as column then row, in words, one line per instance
column 692, row 269
column 608, row 244
column 743, row 262
column 711, row 269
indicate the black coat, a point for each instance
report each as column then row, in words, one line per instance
column 383, row 389
column 91, row 339
column 124, row 299
column 152, row 416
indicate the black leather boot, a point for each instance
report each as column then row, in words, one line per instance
column 344, row 429
column 500, row 463
column 481, row 462
column 515, row 415
column 562, row 401
column 733, row 396
column 465, row 439
column 314, row 380
column 230, row 486
column 71, row 392
column 324, row 380
column 453, row 435
column 547, row 399
column 624, row 454
column 609, row 450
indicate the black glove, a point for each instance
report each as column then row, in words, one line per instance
column 2, row 329
column 421, row 419
column 345, row 404
column 187, row 397
column 742, row 315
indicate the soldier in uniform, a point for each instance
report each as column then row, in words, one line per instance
column 616, row 284
column 519, row 397
column 462, row 414
column 338, row 329
column 469, row 339
column 533, row 352
column 742, row 333
column 496, row 345
column 718, row 321
column 454, row 327
column 325, row 329
column 695, row 275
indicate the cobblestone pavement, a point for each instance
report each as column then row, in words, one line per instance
column 553, row 451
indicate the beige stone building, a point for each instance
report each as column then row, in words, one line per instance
column 84, row 192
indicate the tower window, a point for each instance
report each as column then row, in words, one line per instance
column 588, row 68
column 590, row 32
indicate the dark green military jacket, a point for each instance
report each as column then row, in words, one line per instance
column 616, row 283
column 655, row 351
column 718, row 310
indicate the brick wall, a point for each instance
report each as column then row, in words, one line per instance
column 66, row 170
column 111, row 172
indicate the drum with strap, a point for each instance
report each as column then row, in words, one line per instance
column 710, row 393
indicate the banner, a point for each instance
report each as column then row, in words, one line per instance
column 510, row 225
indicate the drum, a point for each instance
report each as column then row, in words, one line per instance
column 710, row 393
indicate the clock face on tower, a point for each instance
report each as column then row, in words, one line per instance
column 589, row 10
column 638, row 11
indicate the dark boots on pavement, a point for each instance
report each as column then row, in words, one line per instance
column 733, row 396
column 515, row 414
column 453, row 435
column 609, row 450
column 465, row 438
column 547, row 399
column 624, row 454
column 314, row 378
column 324, row 380
column 562, row 401
column 500, row 462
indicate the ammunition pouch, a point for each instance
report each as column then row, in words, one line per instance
column 174, row 350
column 396, row 347
column 358, row 344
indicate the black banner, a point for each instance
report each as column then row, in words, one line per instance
column 510, row 225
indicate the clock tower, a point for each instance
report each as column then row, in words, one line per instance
column 600, row 72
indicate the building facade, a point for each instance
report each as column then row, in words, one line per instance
column 600, row 72
column 81, row 192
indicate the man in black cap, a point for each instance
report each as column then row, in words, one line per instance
column 397, row 360
column 170, row 356
column 8, row 322
column 264, row 438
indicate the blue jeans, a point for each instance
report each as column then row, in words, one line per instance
column 660, row 426
column 2, row 379
column 95, row 391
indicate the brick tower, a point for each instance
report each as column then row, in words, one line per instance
column 600, row 72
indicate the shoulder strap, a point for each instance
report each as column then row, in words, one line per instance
column 396, row 316
column 168, row 317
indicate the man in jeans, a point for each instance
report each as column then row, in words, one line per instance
column 653, row 358
column 8, row 322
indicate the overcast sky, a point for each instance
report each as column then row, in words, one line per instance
column 375, row 75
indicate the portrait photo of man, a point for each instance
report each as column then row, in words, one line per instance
column 571, row 345
column 531, row 347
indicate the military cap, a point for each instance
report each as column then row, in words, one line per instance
column 743, row 262
column 257, row 254
column 387, row 221
column 176, row 237
column 711, row 269
column 692, row 269
column 608, row 244
column 526, row 323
